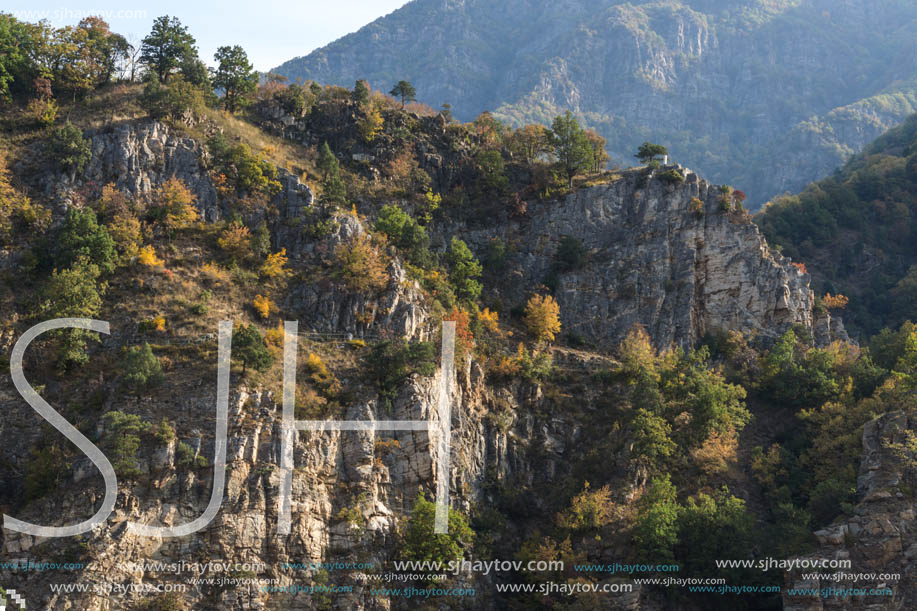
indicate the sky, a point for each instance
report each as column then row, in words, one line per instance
column 271, row 32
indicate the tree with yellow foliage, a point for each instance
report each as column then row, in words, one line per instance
column 235, row 241
column 125, row 230
column 370, row 124
column 542, row 317
column 835, row 302
column 276, row 265
column 176, row 202
column 263, row 305
column 148, row 258
column 360, row 265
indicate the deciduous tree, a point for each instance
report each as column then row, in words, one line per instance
column 571, row 146
column 542, row 317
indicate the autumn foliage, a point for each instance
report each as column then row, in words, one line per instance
column 542, row 317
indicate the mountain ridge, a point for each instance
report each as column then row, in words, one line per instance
column 743, row 96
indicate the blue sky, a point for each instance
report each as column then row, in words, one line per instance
column 271, row 32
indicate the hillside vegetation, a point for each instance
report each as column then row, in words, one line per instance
column 682, row 454
column 857, row 231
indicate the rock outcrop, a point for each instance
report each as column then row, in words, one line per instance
column 879, row 540
column 664, row 255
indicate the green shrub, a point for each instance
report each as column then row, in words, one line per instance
column 82, row 238
column 406, row 233
column 122, row 439
column 141, row 368
column 656, row 529
column 184, row 457
column 571, row 254
column 67, row 148
column 392, row 362
column 173, row 101
column 246, row 171
column 43, row 472
column 421, row 544
column 464, row 270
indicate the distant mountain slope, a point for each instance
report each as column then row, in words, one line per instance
column 857, row 231
column 764, row 94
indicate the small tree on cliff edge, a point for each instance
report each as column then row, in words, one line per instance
column 405, row 91
column 649, row 151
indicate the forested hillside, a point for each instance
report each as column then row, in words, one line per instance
column 769, row 95
column 857, row 232
column 639, row 378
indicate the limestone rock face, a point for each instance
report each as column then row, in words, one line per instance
column 666, row 256
column 880, row 540
column 139, row 156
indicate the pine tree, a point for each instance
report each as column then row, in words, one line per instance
column 249, row 347
column 405, row 91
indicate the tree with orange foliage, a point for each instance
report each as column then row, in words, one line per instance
column 835, row 302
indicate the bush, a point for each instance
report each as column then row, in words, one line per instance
column 322, row 378
column 67, row 148
column 235, row 242
column 147, row 257
column 464, row 271
column 672, row 176
column 73, row 293
column 571, row 254
column 275, row 266
column 184, row 457
column 170, row 601
column 391, row 362
column 656, row 530
column 42, row 112
column 404, row 232
column 247, row 172
column 43, row 472
column 523, row 364
column 122, row 438
column 82, row 239
column 173, row 101
column 421, row 544
column 711, row 528
column 263, row 305
column 588, row 510
column 141, row 368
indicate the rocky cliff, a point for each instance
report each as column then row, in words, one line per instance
column 879, row 541
column 752, row 93
column 664, row 254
